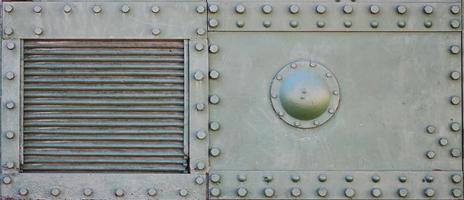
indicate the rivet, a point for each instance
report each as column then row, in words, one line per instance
column 200, row 9
column 456, row 178
column 200, row 165
column 97, row 9
column 215, row 192
column 67, row 9
column 268, row 192
column 374, row 9
column 454, row 152
column 454, row 49
column 10, row 105
column 242, row 192
column 268, row 178
column 320, row 24
column 316, row 122
column 295, row 178
column 295, row 192
column 403, row 179
column 293, row 23
column 430, row 129
column 38, row 31
column 6, row 180
column 156, row 31
column 455, row 100
column 428, row 178
column 215, row 178
column 349, row 178
column 151, row 192
column 455, row 75
column 430, row 154
column 240, row 9
column 213, row 23
column 201, row 135
column 199, row 180
column 213, row 48
column 320, row 9
column 401, row 9
column 429, row 192
column 23, row 191
column 200, row 106
column 267, row 9
column 8, row 31
column 10, row 75
column 455, row 9
column 331, row 110
column 267, row 23
column 349, row 192
column 376, row 192
column 347, row 24
column 240, row 23
column 428, row 24
column 455, row 126
column 281, row 114
column 201, row 31
column 241, row 178
column 279, row 77
column 183, row 192
column 347, row 9
column 8, row 8
column 10, row 45
column 294, row 9
column 199, row 47
column 9, row 165
column 55, row 192
column 198, row 76
column 322, row 192
column 401, row 24
column 443, row 142
column 456, row 192
column 374, row 24
column 214, row 99
column 214, row 126
column 125, row 9
column 322, row 178
column 296, row 123
column 215, row 152
column 10, row 135
column 375, row 178
column 455, row 23
column 428, row 9
column 88, row 192
column 213, row 74
column 403, row 192
column 213, row 8
column 37, row 9
column 119, row 192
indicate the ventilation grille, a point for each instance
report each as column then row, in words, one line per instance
column 104, row 106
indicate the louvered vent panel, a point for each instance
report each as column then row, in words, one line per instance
column 104, row 106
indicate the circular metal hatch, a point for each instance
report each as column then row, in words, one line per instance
column 305, row 94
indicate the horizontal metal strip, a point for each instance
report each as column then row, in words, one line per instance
column 55, row 137
column 115, row 102
column 102, row 116
column 104, row 131
column 108, row 80
column 54, row 65
column 101, row 108
column 140, row 95
column 102, row 145
column 104, row 87
column 74, row 167
column 100, row 51
column 39, row 152
column 101, row 73
column 97, row 58
column 103, row 43
column 101, row 124
column 111, row 159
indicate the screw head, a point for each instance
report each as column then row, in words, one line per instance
column 430, row 129
column 428, row 24
column 7, row 180
column 8, row 8
column 374, row 24
column 199, row 180
column 293, row 23
column 375, row 178
column 8, row 31
column 376, row 192
column 156, row 31
column 242, row 192
column 429, row 192
column 267, row 23
column 455, row 10
column 455, row 23
column 403, row 179
column 9, row 165
column 37, row 9
column 401, row 24
column 455, row 75
column 125, row 9
column 268, row 192
column 322, row 178
column 320, row 24
column 10, row 135
column 88, row 192
column 428, row 9
column 119, row 192
column 320, row 9
column 151, row 192
column 240, row 9
column 349, row 192
column 213, row 23
column 97, row 9
column 214, row 151
column 347, row 9
column 10, row 105
column 215, row 192
column 456, row 192
column 215, row 178
column 214, row 99
column 201, row 31
column 183, row 192
column 156, row 9
column 214, row 126
column 403, row 192
column 23, row 191
column 38, row 31
column 10, row 45
column 200, row 9
column 374, row 9
column 213, row 48
column 200, row 165
column 430, row 154
column 295, row 192
column 67, row 9
column 401, row 9
column 443, row 142
column 349, row 178
column 213, row 74
column 241, row 178
column 213, row 8
column 200, row 106
column 295, row 178
column 454, row 152
column 455, row 126
column 55, row 192
column 201, row 135
column 455, row 100
column 10, row 75
column 454, row 49
column 456, row 178
column 294, row 9
column 267, row 9
column 322, row 192
column 347, row 24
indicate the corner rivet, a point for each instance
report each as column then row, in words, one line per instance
column 349, row 192
column 455, row 126
column 213, row 23
column 10, row 45
column 267, row 9
column 443, row 142
column 7, row 180
column 456, row 192
column 455, row 100
column 322, row 192
column 10, row 105
column 430, row 154
column 214, row 126
column 213, row 74
column 200, row 165
column 23, row 191
column 455, row 75
column 199, row 180
column 376, row 192
column 320, row 9
column 200, row 106
column 242, row 192
column 215, row 178
column 125, row 9
column 215, row 192
column 454, row 49
column 88, row 192
column 10, row 75
column 428, row 9
column 97, row 9
column 455, row 10
column 294, row 9
column 200, row 9
column 183, row 192
column 37, row 9
column 214, row 151
column 403, row 179
column 240, row 9
column 152, row 192
column 456, row 178
column 374, row 9
column 455, row 23
column 119, row 192
column 213, row 48
column 67, row 9
column 156, row 9
column 455, row 153
column 213, row 8
column 38, row 31
column 430, row 129
column 295, row 192
column 55, row 192
column 403, row 192
column 241, row 178
column 268, row 192
column 214, row 99
column 10, row 135
column 156, row 31
column 199, row 47
column 347, row 9
column 201, row 31
column 429, row 192
column 8, row 8
column 401, row 9
column 8, row 31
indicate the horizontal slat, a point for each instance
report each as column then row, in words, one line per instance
column 104, row 160
column 106, row 81
column 39, row 152
column 46, row 58
column 74, row 167
column 117, row 95
column 101, row 108
column 104, row 88
column 101, row 124
column 103, row 44
column 113, row 102
column 113, row 51
column 102, row 66
column 102, row 145
column 102, row 116
column 28, row 137
column 138, row 131
column 101, row 73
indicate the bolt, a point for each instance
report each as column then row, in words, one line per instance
column 10, row 75
column 401, row 24
column 201, row 135
column 214, row 126
column 294, row 9
column 8, row 31
column 213, row 48
column 8, row 8
column 429, row 192
column 240, row 23
column 455, row 23
column 295, row 192
column 215, row 192
column 428, row 9
column 374, row 24
column 267, row 9
column 10, row 135
column 454, row 152
column 428, row 24
column 268, row 178
column 10, row 105
column 213, row 8
column 214, row 99
column 295, row 178
column 183, row 192
column 199, row 47
column 200, row 9
column 88, row 192
column 151, row 192
column 10, row 45
column 456, row 178
column 402, row 192
column 67, row 9
column 267, row 23
column 268, row 192
column 455, row 9
column 374, row 9
column 322, row 178
column 376, row 192
column 241, row 178
column 348, row 24
column 428, row 178
column 55, row 192
column 320, row 9
column 443, row 142
column 430, row 129
column 322, row 192
column 455, row 75
column 125, row 9
column 156, row 31
column 240, row 9
column 215, row 152
column 293, row 23
column 347, row 9
column 331, row 111
column 200, row 165
column 320, row 24
column 156, row 9
column 456, row 192
column 213, row 74
column 97, row 9
column 455, row 100
column 215, row 178
column 454, row 49
column 9, row 165
column 242, row 192
column 349, row 192
column 119, row 192
column 213, row 23
column 200, row 106
column 375, row 178
column 401, row 9
column 23, row 191
column 38, row 31
column 7, row 180
column 199, row 180
column 201, row 31
column 402, row 179
column 430, row 154
column 455, row 126
column 349, row 178
column 37, row 9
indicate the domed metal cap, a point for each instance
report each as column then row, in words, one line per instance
column 305, row 94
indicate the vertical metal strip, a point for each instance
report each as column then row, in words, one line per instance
column 186, row 98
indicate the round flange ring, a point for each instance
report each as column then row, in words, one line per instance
column 305, row 94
